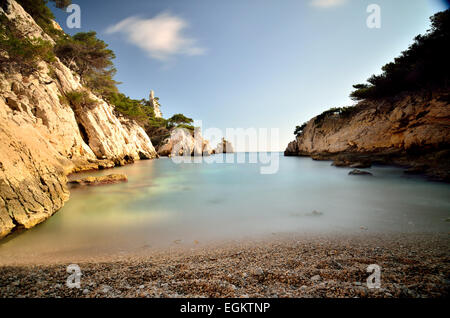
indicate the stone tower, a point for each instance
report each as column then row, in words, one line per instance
column 155, row 104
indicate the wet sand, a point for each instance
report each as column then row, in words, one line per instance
column 412, row 265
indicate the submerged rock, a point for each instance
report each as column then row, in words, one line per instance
column 352, row 162
column 417, row 169
column 361, row 165
column 315, row 213
column 358, row 172
column 103, row 180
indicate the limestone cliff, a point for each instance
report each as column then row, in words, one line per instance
column 412, row 129
column 182, row 142
column 224, row 147
column 42, row 139
column 154, row 103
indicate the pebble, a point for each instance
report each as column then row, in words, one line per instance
column 106, row 289
column 284, row 263
column 259, row 272
column 316, row 278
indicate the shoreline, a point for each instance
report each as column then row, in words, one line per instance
column 291, row 265
column 418, row 166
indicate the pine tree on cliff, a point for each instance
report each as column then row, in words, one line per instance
column 425, row 65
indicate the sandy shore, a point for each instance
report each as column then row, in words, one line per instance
column 412, row 265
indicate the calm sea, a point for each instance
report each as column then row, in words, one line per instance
column 167, row 204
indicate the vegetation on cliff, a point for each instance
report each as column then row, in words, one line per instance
column 424, row 65
column 43, row 16
column 342, row 112
column 85, row 55
column 20, row 53
column 299, row 130
column 180, row 121
column 78, row 100
column 90, row 57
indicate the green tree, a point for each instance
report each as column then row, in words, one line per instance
column 90, row 57
column 43, row 16
column 180, row 119
column 299, row 130
column 424, row 65
column 62, row 4
column 130, row 108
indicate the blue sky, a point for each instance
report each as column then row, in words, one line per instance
column 250, row 63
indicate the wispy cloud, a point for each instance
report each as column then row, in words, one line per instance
column 327, row 3
column 162, row 37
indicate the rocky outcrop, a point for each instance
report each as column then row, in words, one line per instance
column 112, row 137
column 410, row 129
column 224, row 147
column 154, row 103
column 43, row 139
column 182, row 142
column 32, row 176
column 98, row 181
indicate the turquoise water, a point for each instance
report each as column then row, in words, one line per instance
column 168, row 204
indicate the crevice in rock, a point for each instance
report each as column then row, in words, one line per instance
column 83, row 133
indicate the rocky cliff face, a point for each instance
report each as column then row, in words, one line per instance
column 43, row 139
column 155, row 104
column 182, row 142
column 224, row 147
column 412, row 130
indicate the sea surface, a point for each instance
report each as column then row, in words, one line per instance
column 168, row 204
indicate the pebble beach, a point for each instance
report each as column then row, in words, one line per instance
column 281, row 266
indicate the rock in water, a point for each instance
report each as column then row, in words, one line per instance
column 417, row 169
column 314, row 213
column 361, row 165
column 183, row 142
column 224, row 147
column 103, row 180
column 358, row 172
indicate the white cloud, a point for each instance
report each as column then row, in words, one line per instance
column 161, row 37
column 327, row 3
